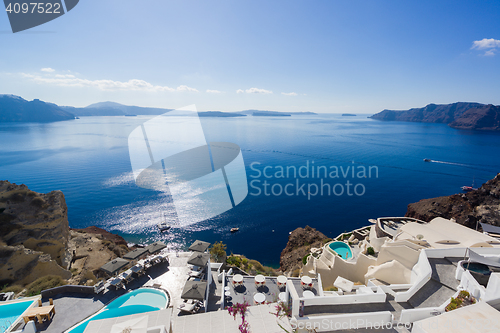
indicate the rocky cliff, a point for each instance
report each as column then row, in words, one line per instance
column 34, row 232
column 300, row 241
column 481, row 205
column 473, row 116
column 35, row 239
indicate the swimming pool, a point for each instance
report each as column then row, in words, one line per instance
column 137, row 301
column 10, row 312
column 342, row 249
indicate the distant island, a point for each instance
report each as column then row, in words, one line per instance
column 16, row 109
column 460, row 115
column 266, row 113
column 219, row 114
column 113, row 109
column 348, row 115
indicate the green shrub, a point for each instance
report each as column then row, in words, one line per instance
column 370, row 251
column 16, row 289
column 332, row 289
column 234, row 260
column 257, row 265
column 326, row 240
column 464, row 294
column 43, row 283
column 304, row 260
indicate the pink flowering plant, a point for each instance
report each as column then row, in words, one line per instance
column 240, row 309
column 282, row 310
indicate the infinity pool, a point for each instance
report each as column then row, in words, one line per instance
column 342, row 249
column 10, row 312
column 137, row 301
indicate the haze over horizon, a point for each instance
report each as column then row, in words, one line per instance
column 325, row 56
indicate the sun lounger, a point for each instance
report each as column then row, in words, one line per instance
column 190, row 307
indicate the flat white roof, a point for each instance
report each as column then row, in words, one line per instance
column 443, row 233
column 480, row 317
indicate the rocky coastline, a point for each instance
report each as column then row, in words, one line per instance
column 36, row 240
column 460, row 115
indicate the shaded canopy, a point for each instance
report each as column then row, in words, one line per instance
column 199, row 246
column 132, row 255
column 199, row 259
column 155, row 247
column 490, row 228
column 114, row 265
column 194, row 290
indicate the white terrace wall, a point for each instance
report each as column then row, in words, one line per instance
column 378, row 297
column 370, row 320
column 420, row 275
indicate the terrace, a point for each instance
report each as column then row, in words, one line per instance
column 246, row 290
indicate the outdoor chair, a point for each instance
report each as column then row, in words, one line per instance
column 190, row 308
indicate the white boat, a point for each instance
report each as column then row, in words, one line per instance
column 164, row 226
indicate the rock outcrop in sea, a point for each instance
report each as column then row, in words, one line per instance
column 461, row 115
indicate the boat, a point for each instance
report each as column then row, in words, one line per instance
column 164, row 226
column 233, row 230
column 427, row 159
column 469, row 188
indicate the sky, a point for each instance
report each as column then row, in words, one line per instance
column 322, row 56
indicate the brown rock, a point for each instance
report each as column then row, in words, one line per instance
column 299, row 243
column 481, row 205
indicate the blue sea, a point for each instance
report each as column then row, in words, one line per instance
column 88, row 159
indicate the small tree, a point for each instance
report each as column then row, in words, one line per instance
column 218, row 251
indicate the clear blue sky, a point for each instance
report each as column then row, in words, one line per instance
column 327, row 56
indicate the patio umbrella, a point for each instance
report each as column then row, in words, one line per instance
column 199, row 259
column 136, row 325
column 194, row 290
column 114, row 265
column 199, row 246
column 155, row 247
column 135, row 253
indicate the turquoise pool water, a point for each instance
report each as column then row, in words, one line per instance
column 137, row 301
column 10, row 312
column 342, row 249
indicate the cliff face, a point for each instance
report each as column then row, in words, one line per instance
column 459, row 115
column 34, row 233
column 300, row 241
column 35, row 239
column 481, row 205
column 485, row 118
column 16, row 109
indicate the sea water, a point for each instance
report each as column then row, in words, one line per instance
column 88, row 159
